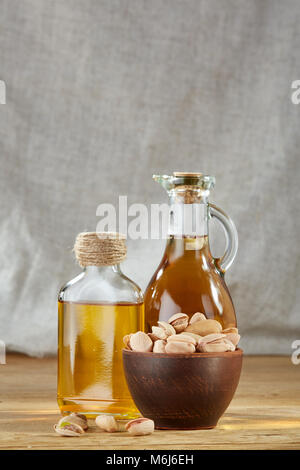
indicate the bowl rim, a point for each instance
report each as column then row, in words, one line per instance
column 238, row 352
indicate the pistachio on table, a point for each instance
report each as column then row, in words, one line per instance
column 136, row 427
column 140, row 426
column 107, row 423
column 68, row 429
column 75, row 418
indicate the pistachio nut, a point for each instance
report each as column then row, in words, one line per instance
column 215, row 345
column 169, row 329
column 126, row 341
column 211, row 338
column 141, row 342
column 230, row 330
column 179, row 321
column 75, row 418
column 234, row 338
column 177, row 347
column 231, row 346
column 159, row 346
column 204, row 328
column 232, row 334
column 193, row 335
column 68, row 429
column 140, row 426
column 182, row 338
column 197, row 317
column 152, row 337
column 158, row 332
column 107, row 423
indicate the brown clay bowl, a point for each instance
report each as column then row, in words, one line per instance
column 182, row 391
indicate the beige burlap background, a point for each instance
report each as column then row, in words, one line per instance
column 103, row 93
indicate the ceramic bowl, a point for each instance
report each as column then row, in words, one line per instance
column 181, row 391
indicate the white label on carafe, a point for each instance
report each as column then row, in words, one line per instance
column 188, row 219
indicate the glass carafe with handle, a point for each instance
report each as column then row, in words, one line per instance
column 189, row 279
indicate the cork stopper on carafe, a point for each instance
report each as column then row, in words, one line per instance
column 186, row 187
column 190, row 190
column 187, row 174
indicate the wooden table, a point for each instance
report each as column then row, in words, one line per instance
column 265, row 413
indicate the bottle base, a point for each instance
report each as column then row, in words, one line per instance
column 119, row 409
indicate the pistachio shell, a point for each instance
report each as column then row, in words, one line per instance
column 158, row 332
column 169, row 329
column 126, row 341
column 141, row 342
column 140, row 426
column 182, row 338
column 230, row 330
column 197, row 317
column 176, row 347
column 193, row 335
column 68, row 429
column 179, row 321
column 107, row 423
column 234, row 338
column 221, row 345
column 231, row 346
column 152, row 337
column 211, row 337
column 75, row 418
column 159, row 346
column 204, row 328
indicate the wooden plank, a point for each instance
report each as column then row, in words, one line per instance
column 265, row 413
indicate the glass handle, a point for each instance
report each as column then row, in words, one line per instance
column 231, row 237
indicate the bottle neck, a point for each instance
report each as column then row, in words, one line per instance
column 188, row 220
column 102, row 270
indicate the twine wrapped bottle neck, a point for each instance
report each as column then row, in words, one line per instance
column 100, row 248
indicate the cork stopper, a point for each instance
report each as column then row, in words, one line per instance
column 100, row 248
column 182, row 174
column 186, row 187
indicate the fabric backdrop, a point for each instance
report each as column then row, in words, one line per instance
column 103, row 93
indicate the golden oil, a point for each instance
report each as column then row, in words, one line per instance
column 188, row 281
column 90, row 370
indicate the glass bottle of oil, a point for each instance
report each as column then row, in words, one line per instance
column 188, row 278
column 95, row 311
